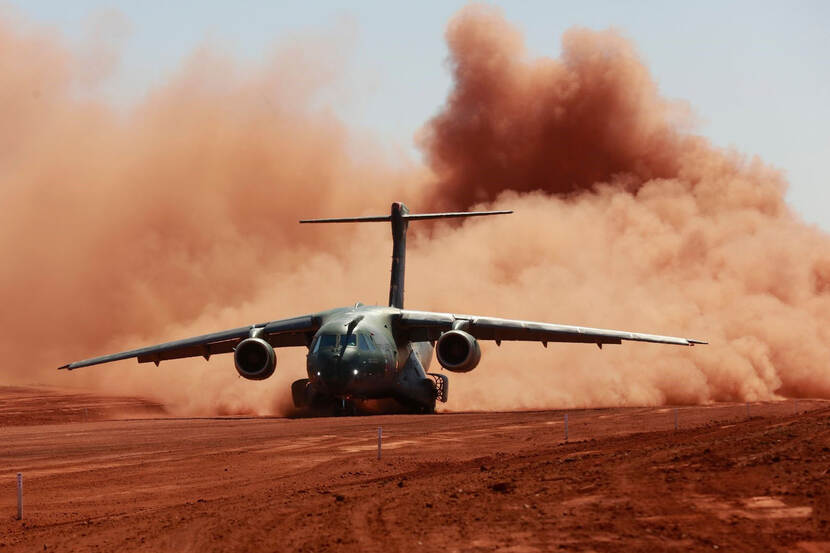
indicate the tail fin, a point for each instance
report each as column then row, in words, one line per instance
column 400, row 217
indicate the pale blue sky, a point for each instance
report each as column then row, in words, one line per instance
column 755, row 72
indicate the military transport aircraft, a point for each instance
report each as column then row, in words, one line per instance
column 374, row 352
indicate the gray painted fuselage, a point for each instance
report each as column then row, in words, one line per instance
column 367, row 360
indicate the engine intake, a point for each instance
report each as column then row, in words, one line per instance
column 458, row 351
column 255, row 359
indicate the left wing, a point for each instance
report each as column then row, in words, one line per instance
column 297, row 331
column 425, row 326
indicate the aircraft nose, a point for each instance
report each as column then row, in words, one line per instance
column 335, row 372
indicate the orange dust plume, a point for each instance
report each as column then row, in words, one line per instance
column 562, row 126
column 177, row 216
column 120, row 226
column 624, row 220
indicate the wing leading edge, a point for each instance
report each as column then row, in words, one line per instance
column 428, row 326
column 296, row 331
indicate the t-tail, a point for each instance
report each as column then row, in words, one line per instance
column 399, row 217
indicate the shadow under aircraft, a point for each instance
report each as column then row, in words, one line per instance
column 367, row 352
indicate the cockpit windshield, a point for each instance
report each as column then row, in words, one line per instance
column 333, row 341
column 325, row 341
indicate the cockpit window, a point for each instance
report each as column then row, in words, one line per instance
column 326, row 341
column 363, row 343
column 333, row 340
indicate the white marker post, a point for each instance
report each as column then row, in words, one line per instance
column 566, row 427
column 380, row 439
column 675, row 419
column 19, row 496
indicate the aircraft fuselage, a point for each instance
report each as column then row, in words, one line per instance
column 356, row 354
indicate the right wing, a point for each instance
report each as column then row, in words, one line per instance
column 297, row 331
column 428, row 326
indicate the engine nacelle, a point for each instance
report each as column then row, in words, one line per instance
column 255, row 359
column 457, row 351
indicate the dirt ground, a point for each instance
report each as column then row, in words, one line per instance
column 116, row 474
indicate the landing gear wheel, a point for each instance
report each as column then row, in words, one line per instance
column 429, row 407
column 299, row 393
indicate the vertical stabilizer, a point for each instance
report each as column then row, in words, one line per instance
column 399, row 218
column 399, row 227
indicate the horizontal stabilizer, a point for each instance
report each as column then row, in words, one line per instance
column 407, row 216
column 370, row 219
column 420, row 216
column 399, row 217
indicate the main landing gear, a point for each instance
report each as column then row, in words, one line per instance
column 421, row 398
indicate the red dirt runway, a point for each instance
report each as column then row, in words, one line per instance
column 96, row 480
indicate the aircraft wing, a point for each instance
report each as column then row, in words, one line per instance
column 297, row 331
column 428, row 326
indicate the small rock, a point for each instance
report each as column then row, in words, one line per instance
column 339, row 497
column 502, row 487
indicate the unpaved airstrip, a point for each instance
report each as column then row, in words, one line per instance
column 118, row 474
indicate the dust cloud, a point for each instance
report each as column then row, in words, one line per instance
column 178, row 216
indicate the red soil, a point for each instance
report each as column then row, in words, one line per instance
column 625, row 480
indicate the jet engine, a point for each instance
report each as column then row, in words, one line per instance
column 255, row 359
column 457, row 351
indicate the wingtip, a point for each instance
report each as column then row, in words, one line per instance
column 693, row 342
column 67, row 367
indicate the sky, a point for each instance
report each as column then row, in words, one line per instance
column 755, row 73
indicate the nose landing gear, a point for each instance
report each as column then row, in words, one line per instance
column 346, row 408
column 307, row 399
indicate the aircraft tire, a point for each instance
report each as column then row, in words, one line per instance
column 428, row 408
column 299, row 393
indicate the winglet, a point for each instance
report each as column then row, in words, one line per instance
column 693, row 342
